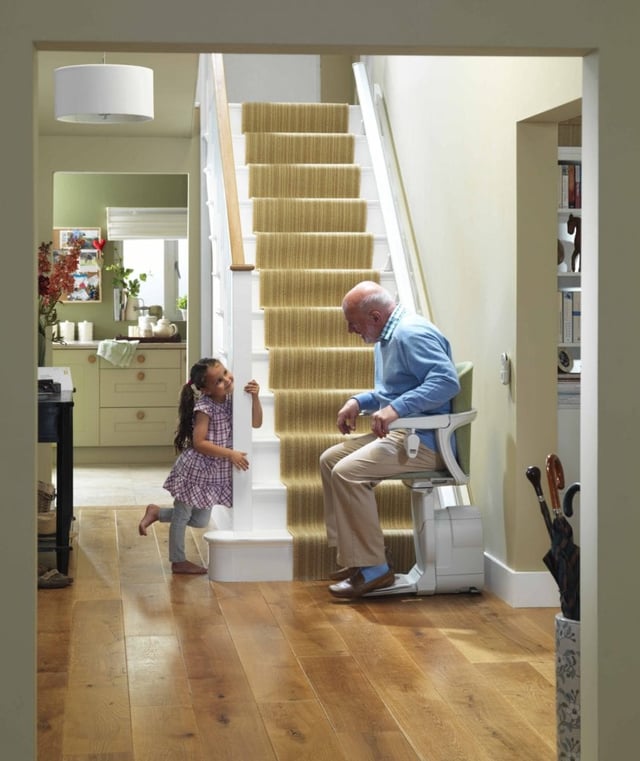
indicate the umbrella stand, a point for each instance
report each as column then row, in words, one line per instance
column 565, row 551
column 563, row 560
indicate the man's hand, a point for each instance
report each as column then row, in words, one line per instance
column 380, row 420
column 347, row 416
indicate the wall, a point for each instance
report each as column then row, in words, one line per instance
column 81, row 199
column 603, row 33
column 458, row 159
column 132, row 156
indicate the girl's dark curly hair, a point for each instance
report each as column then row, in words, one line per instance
column 197, row 377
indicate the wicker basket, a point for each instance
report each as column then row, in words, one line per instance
column 46, row 495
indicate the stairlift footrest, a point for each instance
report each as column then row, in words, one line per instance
column 458, row 565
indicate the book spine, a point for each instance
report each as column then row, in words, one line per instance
column 571, row 190
column 576, row 314
column 560, row 317
column 567, row 317
column 564, row 195
column 578, row 186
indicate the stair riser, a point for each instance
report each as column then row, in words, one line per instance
column 235, row 118
column 361, row 153
column 374, row 222
column 380, row 250
column 368, row 187
column 269, row 507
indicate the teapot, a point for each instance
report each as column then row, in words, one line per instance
column 164, row 329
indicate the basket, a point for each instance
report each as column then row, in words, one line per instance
column 46, row 495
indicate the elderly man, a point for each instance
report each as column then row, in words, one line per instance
column 414, row 375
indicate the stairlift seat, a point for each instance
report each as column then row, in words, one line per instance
column 448, row 540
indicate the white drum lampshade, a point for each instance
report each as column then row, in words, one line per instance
column 103, row 93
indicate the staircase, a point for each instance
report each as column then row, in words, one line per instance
column 312, row 226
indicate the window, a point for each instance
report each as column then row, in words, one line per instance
column 166, row 264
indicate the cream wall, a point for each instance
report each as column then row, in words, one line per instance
column 454, row 124
column 611, row 162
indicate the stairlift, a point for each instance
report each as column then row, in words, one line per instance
column 448, row 540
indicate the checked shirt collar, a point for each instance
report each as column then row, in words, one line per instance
column 391, row 323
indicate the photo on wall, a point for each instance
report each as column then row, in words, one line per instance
column 88, row 276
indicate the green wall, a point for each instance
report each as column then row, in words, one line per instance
column 80, row 199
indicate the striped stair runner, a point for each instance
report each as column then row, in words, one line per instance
column 311, row 248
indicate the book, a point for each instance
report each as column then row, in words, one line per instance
column 567, row 317
column 571, row 190
column 563, row 200
column 575, row 316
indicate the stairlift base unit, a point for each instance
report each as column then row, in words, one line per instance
column 449, row 554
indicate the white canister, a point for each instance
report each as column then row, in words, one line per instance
column 67, row 330
column 85, row 331
column 145, row 327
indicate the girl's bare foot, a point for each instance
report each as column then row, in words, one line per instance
column 186, row 566
column 150, row 516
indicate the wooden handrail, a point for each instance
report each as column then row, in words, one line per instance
column 228, row 165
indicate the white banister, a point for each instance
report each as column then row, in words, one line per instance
column 229, row 326
column 404, row 261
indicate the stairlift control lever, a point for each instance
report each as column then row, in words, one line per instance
column 411, row 444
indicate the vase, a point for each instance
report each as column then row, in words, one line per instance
column 132, row 308
column 183, row 312
column 568, row 688
column 119, row 299
column 45, row 346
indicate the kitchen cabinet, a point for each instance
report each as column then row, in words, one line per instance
column 125, row 406
column 139, row 403
column 83, row 364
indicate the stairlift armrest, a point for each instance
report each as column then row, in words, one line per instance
column 444, row 426
column 422, row 422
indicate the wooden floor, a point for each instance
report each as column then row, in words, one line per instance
column 137, row 665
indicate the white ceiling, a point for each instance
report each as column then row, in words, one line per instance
column 174, row 80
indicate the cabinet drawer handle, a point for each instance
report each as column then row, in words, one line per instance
column 92, row 359
column 140, row 358
column 140, row 415
column 140, row 375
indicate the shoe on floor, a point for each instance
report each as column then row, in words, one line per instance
column 344, row 573
column 356, row 586
column 53, row 579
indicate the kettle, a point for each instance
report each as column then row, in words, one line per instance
column 164, row 329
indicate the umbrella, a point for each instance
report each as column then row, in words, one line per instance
column 563, row 557
column 565, row 551
column 533, row 474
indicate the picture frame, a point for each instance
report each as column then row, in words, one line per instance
column 88, row 276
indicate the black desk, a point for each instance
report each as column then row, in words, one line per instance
column 55, row 425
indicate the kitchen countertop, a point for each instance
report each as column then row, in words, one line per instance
column 140, row 345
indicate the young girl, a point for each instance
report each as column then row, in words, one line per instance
column 202, row 475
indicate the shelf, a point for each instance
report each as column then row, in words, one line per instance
column 569, row 281
column 562, row 210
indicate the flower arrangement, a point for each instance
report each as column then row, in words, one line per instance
column 55, row 280
column 181, row 302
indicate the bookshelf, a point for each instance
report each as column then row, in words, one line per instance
column 569, row 263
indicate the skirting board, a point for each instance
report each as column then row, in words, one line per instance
column 520, row 589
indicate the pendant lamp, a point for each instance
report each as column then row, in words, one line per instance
column 103, row 93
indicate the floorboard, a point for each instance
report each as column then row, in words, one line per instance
column 135, row 664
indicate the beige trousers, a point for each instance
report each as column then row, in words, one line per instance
column 350, row 471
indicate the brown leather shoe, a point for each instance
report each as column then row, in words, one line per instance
column 345, row 573
column 356, row 586
column 342, row 573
